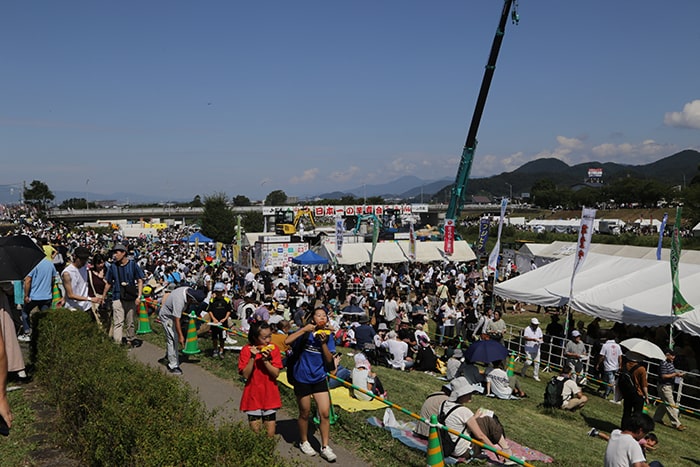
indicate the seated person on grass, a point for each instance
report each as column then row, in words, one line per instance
column 500, row 384
column 572, row 395
column 650, row 442
column 363, row 377
column 623, row 446
column 483, row 425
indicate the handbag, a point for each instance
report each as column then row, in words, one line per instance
column 128, row 292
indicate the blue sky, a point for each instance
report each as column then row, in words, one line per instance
column 177, row 98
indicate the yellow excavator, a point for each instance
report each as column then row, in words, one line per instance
column 287, row 221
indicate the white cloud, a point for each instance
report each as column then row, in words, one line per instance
column 340, row 176
column 309, row 175
column 689, row 117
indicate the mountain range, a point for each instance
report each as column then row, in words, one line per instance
column 676, row 169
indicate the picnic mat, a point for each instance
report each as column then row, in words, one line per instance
column 403, row 431
column 341, row 397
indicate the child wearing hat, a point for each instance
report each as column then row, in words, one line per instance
column 219, row 309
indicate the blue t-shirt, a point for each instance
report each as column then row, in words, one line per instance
column 309, row 368
column 42, row 280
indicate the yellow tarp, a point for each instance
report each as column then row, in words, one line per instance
column 341, row 397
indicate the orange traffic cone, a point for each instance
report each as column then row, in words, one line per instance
column 191, row 346
column 144, row 323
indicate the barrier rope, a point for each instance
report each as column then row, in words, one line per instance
column 442, row 427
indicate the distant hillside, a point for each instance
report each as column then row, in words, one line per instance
column 669, row 170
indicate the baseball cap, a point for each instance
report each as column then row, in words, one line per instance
column 575, row 334
column 535, row 321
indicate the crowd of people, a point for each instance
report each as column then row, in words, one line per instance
column 383, row 313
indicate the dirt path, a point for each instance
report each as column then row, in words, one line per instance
column 223, row 396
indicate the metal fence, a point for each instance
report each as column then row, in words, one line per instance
column 552, row 359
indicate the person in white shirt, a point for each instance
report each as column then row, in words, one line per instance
column 398, row 350
column 611, row 358
column 75, row 282
column 533, row 340
column 623, row 449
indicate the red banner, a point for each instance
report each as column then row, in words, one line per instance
column 449, row 236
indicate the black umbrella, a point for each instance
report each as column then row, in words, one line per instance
column 486, row 351
column 18, row 256
column 353, row 310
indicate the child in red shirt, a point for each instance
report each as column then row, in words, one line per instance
column 260, row 363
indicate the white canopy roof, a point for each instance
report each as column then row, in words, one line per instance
column 397, row 252
column 616, row 288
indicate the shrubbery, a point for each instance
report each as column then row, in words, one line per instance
column 114, row 411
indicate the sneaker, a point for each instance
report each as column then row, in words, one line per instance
column 24, row 338
column 679, row 428
column 215, row 353
column 221, row 354
column 230, row 341
column 136, row 343
column 536, row 378
column 163, row 361
column 175, row 371
column 307, row 449
column 592, row 432
column 328, row 454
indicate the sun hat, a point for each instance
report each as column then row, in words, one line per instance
column 119, row 247
column 458, row 353
column 219, row 287
column 382, row 327
column 462, row 387
column 535, row 321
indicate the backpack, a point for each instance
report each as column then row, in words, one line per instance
column 448, row 445
column 625, row 382
column 553, row 393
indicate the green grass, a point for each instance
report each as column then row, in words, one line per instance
column 559, row 434
column 16, row 448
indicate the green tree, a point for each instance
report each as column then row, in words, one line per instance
column 38, row 194
column 252, row 221
column 241, row 200
column 196, row 202
column 218, row 220
column 276, row 198
column 73, row 203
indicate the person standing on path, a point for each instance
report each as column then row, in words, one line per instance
column 667, row 375
column 122, row 276
column 171, row 311
column 260, row 364
column 316, row 355
column 38, row 292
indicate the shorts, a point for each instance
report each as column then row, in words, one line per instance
column 264, row 415
column 217, row 332
column 303, row 389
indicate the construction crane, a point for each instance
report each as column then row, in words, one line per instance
column 465, row 165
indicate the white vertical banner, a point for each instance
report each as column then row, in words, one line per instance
column 339, row 230
column 584, row 243
column 493, row 257
column 412, row 242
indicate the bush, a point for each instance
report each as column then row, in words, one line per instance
column 114, row 411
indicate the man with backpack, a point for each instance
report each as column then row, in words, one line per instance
column 562, row 392
column 632, row 382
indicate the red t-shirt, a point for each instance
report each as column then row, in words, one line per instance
column 260, row 391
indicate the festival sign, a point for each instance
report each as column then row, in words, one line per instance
column 449, row 236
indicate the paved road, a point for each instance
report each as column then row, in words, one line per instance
column 223, row 396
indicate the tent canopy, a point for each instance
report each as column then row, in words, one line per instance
column 621, row 289
column 197, row 237
column 397, row 252
column 309, row 257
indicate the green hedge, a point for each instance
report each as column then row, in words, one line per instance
column 114, row 411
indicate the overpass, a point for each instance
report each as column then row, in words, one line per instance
column 429, row 213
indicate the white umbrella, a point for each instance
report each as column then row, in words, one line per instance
column 643, row 347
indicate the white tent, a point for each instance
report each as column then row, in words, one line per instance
column 397, row 252
column 616, row 288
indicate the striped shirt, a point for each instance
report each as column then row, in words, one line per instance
column 666, row 368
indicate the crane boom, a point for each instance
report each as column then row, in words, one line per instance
column 465, row 164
